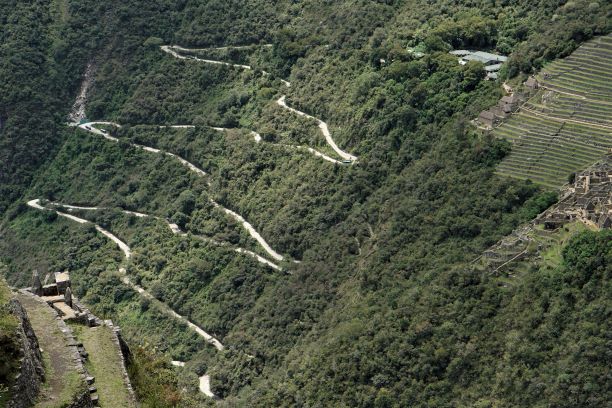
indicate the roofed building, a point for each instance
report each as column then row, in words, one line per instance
column 532, row 83
column 509, row 103
column 487, row 118
column 492, row 62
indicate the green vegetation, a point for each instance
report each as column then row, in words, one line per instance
column 555, row 133
column 104, row 363
column 41, row 59
column 93, row 261
column 157, row 385
column 9, row 344
column 557, row 328
column 552, row 257
column 383, row 309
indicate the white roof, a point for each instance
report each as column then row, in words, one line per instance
column 474, row 57
column 460, row 52
column 491, row 57
column 494, row 67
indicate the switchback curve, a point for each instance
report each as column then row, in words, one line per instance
column 176, row 230
column 246, row 225
column 127, row 252
column 172, row 50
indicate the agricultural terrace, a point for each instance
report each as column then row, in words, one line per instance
column 566, row 126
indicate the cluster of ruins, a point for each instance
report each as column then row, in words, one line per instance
column 58, row 294
column 507, row 105
column 589, row 199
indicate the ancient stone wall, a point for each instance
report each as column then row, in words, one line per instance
column 124, row 353
column 69, row 308
column 82, row 401
column 31, row 372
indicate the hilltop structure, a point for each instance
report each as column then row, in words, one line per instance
column 492, row 62
column 588, row 201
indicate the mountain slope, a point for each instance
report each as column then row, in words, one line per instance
column 380, row 309
column 565, row 126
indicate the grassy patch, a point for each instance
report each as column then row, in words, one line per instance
column 62, row 381
column 104, row 363
column 552, row 254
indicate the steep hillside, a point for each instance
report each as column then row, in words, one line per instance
column 566, row 125
column 45, row 46
column 284, row 198
column 555, row 323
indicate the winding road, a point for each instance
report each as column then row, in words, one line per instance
column 79, row 113
column 89, row 127
column 205, row 386
column 204, row 383
column 172, row 50
column 128, row 254
column 257, row 137
column 323, row 127
column 176, row 230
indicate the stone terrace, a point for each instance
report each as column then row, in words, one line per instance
column 566, row 125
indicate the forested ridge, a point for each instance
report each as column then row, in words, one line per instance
column 382, row 308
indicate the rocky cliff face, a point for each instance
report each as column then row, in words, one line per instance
column 31, row 372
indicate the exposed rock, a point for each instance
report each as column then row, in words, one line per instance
column 68, row 297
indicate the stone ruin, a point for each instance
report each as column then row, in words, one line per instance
column 496, row 114
column 58, row 295
column 531, row 85
column 507, row 105
column 511, row 248
column 589, row 199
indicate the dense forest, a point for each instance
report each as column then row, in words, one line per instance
column 376, row 304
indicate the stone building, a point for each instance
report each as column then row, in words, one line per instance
column 487, row 118
column 62, row 281
column 589, row 199
column 532, row 84
column 510, row 103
